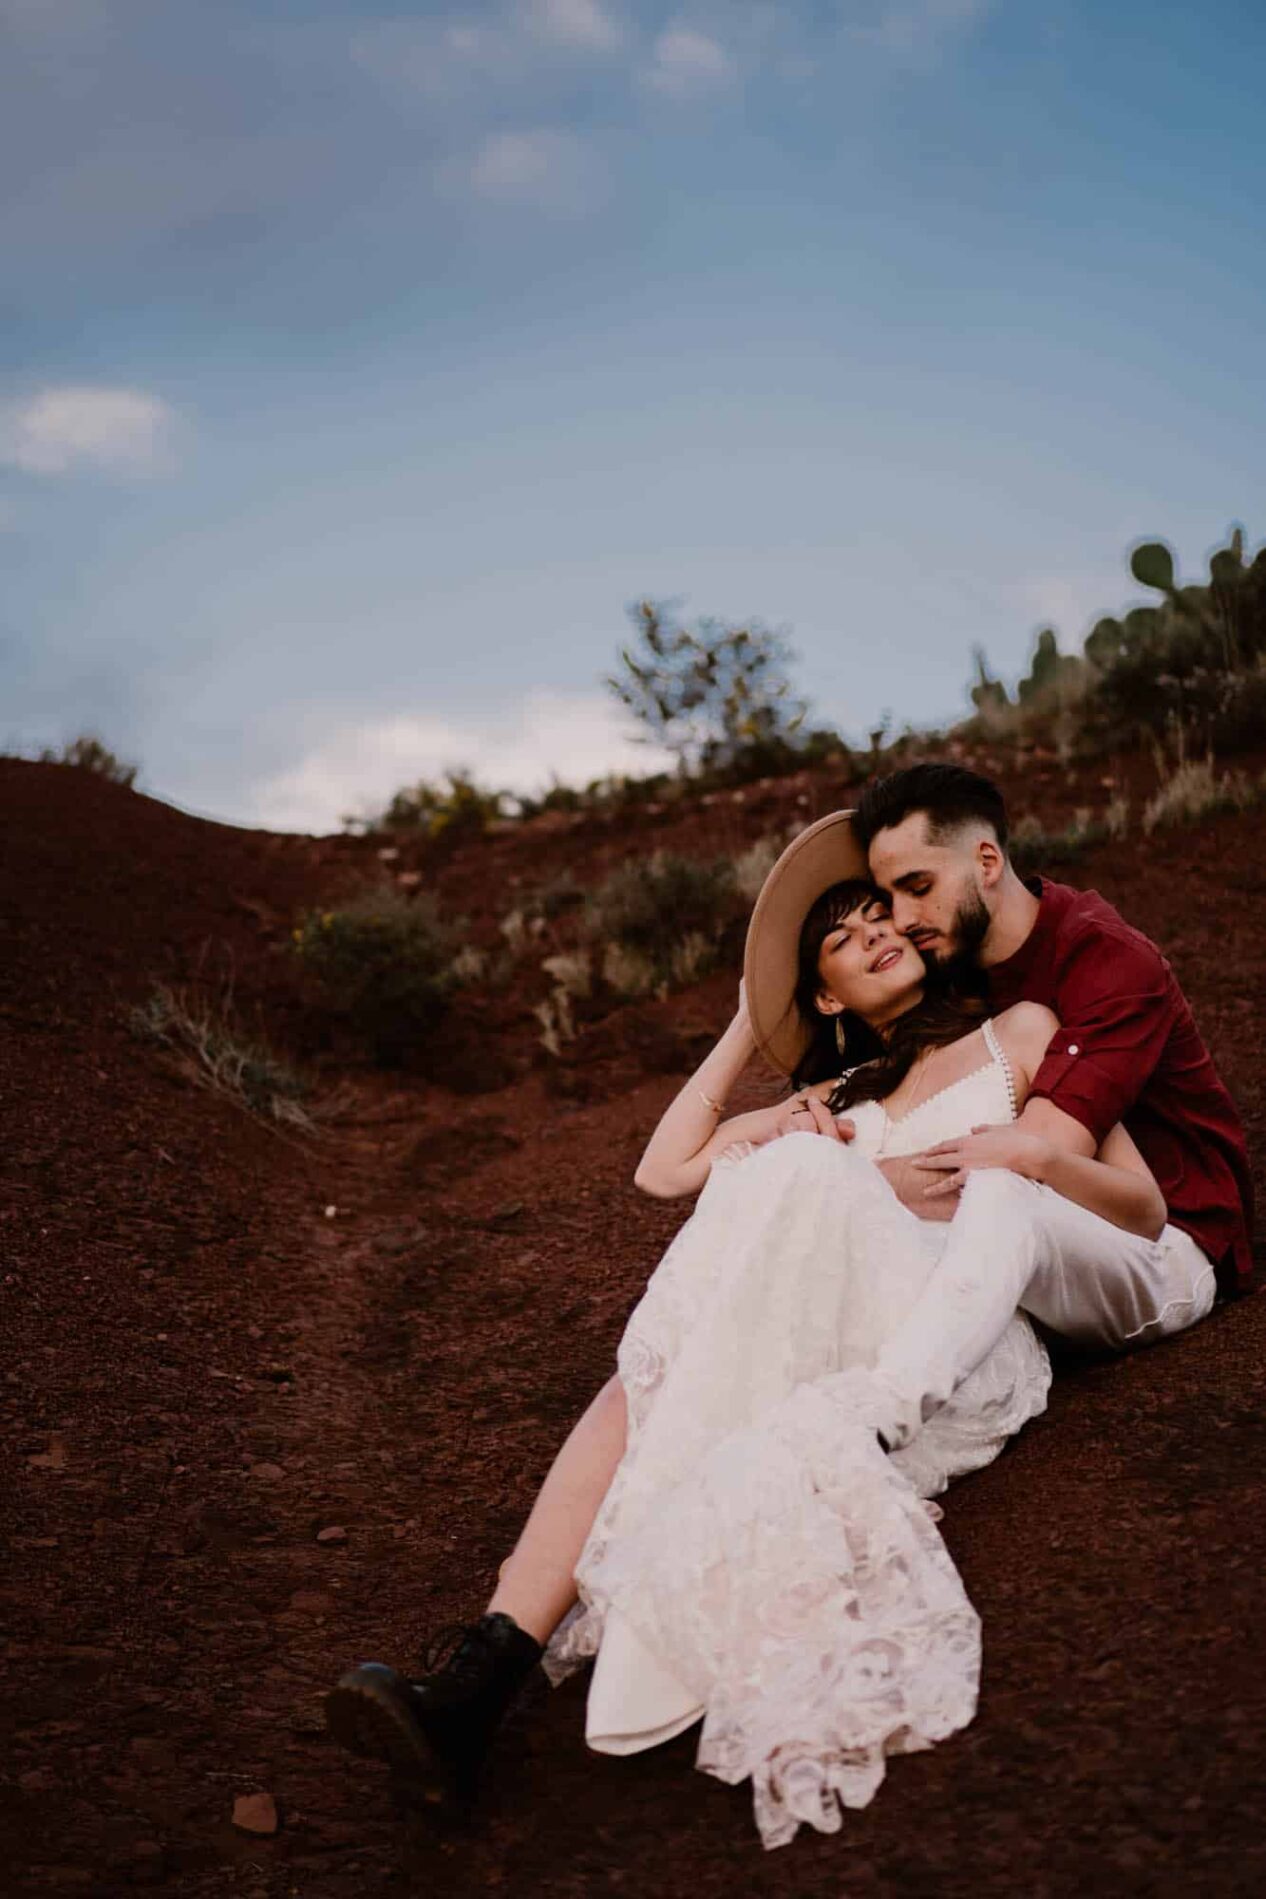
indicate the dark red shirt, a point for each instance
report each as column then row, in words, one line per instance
column 1128, row 1050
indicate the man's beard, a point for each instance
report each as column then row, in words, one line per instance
column 959, row 966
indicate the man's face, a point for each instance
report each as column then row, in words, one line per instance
column 934, row 889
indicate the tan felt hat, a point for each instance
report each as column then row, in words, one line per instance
column 826, row 853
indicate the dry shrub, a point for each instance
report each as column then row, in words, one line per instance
column 658, row 916
column 1194, row 790
column 214, row 1053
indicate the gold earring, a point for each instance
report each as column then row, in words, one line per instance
column 840, row 1039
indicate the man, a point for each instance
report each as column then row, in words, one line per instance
column 1127, row 1050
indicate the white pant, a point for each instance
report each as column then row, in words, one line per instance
column 1014, row 1243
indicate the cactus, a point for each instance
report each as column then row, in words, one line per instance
column 1152, row 565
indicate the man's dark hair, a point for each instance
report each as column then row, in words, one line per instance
column 949, row 795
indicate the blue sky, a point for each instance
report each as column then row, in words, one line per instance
column 361, row 367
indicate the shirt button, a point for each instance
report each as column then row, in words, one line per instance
column 1074, row 1048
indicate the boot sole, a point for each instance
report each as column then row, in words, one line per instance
column 367, row 1711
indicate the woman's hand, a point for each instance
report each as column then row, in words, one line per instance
column 807, row 1113
column 1001, row 1145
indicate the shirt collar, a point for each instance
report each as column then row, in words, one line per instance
column 1016, row 968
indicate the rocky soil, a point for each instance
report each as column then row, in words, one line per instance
column 275, row 1403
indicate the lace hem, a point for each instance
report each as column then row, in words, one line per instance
column 796, row 1586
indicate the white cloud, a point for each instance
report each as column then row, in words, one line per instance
column 431, row 56
column 580, row 23
column 543, row 167
column 685, row 62
column 357, row 769
column 59, row 429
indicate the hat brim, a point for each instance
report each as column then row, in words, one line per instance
column 826, row 853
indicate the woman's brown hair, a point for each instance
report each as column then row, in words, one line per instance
column 878, row 1063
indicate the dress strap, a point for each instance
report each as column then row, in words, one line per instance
column 999, row 1055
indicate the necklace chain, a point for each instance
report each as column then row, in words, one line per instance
column 889, row 1123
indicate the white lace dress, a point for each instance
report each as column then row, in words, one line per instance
column 758, row 1560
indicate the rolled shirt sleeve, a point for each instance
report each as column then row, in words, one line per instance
column 1116, row 1014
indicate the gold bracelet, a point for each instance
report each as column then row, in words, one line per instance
column 717, row 1107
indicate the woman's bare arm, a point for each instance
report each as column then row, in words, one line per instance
column 679, row 1155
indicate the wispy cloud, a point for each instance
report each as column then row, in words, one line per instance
column 686, row 62
column 579, row 23
column 506, row 48
column 433, row 56
column 355, row 770
column 540, row 166
column 78, row 425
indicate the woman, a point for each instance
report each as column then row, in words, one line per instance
column 721, row 1529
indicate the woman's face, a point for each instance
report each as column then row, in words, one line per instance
column 865, row 966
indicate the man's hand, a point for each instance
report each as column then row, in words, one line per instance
column 1001, row 1145
column 910, row 1187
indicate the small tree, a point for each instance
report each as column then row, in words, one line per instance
column 87, row 753
column 710, row 695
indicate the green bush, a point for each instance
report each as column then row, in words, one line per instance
column 456, row 806
column 389, row 961
column 664, row 915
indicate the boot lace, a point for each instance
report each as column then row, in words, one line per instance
column 454, row 1644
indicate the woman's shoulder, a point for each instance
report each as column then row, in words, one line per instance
column 1024, row 1030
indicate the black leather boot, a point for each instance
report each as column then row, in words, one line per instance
column 434, row 1731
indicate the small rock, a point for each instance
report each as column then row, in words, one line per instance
column 54, row 1458
column 255, row 1813
column 332, row 1533
column 311, row 1602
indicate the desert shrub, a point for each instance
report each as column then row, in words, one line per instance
column 1194, row 790
column 752, row 866
column 628, row 971
column 213, row 1051
column 1033, row 848
column 457, row 805
column 87, row 753
column 557, row 1021
column 1116, row 817
column 649, row 909
column 571, row 971
column 390, row 962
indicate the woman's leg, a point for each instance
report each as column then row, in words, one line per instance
column 537, row 1586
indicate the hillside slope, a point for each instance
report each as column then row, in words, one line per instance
column 206, row 1368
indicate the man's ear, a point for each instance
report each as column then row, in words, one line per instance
column 991, row 861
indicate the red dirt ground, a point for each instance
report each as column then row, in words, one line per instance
column 204, row 1369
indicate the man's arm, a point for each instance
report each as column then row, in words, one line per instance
column 1116, row 1006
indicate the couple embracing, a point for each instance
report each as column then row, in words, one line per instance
column 1002, row 1113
